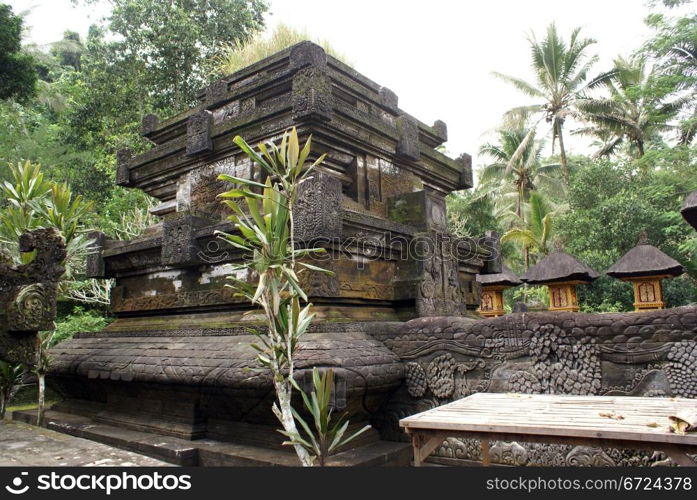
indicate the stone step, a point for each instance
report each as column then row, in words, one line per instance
column 207, row 452
column 169, row 449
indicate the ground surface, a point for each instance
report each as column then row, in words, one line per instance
column 26, row 445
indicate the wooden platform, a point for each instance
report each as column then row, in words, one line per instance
column 620, row 422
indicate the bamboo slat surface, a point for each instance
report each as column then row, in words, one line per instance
column 592, row 417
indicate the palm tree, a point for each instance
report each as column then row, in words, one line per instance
column 516, row 171
column 634, row 111
column 535, row 233
column 561, row 72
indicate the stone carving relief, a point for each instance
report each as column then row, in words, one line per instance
column 564, row 364
column 440, row 376
column 318, row 208
column 28, row 294
column 508, row 453
column 439, row 292
column 197, row 191
column 173, row 300
column 444, row 376
column 179, row 245
column 32, row 308
column 312, row 94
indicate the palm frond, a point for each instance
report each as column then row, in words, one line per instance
column 522, row 85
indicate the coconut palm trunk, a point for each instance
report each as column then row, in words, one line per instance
column 562, row 154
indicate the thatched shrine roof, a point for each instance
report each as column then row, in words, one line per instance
column 644, row 260
column 505, row 278
column 558, row 266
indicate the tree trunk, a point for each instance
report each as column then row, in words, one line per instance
column 285, row 415
column 2, row 405
column 42, row 393
column 526, row 256
column 562, row 154
column 640, row 146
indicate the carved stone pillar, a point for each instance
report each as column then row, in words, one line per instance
column 28, row 295
column 198, row 133
column 179, row 245
column 318, row 208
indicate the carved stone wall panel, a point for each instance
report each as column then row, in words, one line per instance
column 180, row 300
column 439, row 291
column 198, row 190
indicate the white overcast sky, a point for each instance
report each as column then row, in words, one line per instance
column 436, row 55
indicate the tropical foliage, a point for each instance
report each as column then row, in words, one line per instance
column 635, row 109
column 17, row 67
column 31, row 202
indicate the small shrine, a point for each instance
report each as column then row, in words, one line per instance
column 493, row 286
column 645, row 266
column 561, row 273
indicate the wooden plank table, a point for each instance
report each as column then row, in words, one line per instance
column 544, row 418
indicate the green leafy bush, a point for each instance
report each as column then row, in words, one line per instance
column 79, row 320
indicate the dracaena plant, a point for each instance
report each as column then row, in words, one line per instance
column 325, row 436
column 262, row 214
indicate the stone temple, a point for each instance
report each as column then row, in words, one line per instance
column 173, row 376
column 175, row 361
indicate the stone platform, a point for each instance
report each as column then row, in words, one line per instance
column 23, row 445
column 203, row 452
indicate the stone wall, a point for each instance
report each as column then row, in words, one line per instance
column 634, row 354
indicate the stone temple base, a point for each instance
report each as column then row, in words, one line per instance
column 203, row 390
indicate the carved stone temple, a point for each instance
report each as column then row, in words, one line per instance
column 173, row 376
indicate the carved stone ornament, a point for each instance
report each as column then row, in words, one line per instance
column 28, row 294
column 198, row 133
